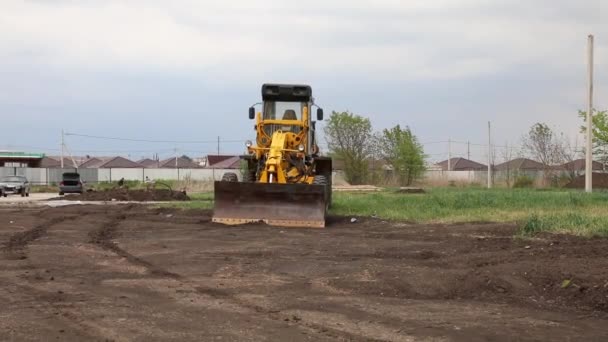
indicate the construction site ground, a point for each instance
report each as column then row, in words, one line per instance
column 132, row 272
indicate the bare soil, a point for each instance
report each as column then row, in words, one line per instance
column 129, row 195
column 599, row 181
column 132, row 273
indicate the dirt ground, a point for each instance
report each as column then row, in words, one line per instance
column 132, row 273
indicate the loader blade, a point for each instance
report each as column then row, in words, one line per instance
column 288, row 205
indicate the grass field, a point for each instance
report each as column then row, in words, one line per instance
column 564, row 211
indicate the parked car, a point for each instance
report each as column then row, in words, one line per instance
column 71, row 184
column 15, row 185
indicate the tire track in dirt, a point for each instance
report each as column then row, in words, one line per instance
column 15, row 247
column 104, row 236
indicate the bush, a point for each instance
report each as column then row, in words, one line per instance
column 523, row 182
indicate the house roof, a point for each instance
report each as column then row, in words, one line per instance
column 182, row 163
column 148, row 163
column 55, row 162
column 92, row 163
column 119, row 162
column 233, row 162
column 579, row 165
column 214, row 159
column 520, row 164
column 462, row 164
column 109, row 162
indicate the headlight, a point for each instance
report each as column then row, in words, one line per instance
column 248, row 143
column 301, row 148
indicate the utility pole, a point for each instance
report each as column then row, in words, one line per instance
column 218, row 145
column 449, row 154
column 489, row 157
column 62, row 147
column 175, row 149
column 588, row 152
column 469, row 150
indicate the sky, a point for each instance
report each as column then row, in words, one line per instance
column 187, row 71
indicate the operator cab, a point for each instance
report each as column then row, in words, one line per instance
column 286, row 102
column 283, row 109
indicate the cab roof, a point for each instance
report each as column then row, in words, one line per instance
column 286, row 92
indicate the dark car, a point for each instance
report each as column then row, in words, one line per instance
column 71, row 184
column 15, row 185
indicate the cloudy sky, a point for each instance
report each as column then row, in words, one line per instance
column 188, row 70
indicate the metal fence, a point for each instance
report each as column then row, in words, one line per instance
column 52, row 176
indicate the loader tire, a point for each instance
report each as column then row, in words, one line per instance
column 230, row 177
column 249, row 177
column 325, row 180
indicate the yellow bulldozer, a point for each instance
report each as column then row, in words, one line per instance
column 285, row 181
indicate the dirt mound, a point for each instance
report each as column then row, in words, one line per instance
column 130, row 195
column 600, row 181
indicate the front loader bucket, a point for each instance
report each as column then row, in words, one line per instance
column 288, row 205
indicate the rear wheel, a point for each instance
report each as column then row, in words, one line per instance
column 60, row 193
column 324, row 180
column 27, row 194
column 230, row 177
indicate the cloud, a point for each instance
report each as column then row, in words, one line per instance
column 413, row 39
column 436, row 65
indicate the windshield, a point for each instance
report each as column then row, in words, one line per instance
column 12, row 179
column 277, row 110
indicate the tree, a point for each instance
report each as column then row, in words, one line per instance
column 350, row 138
column 543, row 145
column 600, row 133
column 401, row 149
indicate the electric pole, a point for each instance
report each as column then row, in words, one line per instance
column 489, row 157
column 62, row 147
column 218, row 145
column 175, row 149
column 449, row 154
column 469, row 150
column 588, row 152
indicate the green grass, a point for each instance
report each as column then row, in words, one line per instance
column 562, row 211
column 569, row 222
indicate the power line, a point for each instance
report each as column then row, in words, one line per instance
column 153, row 141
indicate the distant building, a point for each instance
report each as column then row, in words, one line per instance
column 462, row 164
column 109, row 163
column 52, row 162
column 20, row 159
column 178, row 163
column 149, row 163
column 579, row 165
column 223, row 162
column 520, row 164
